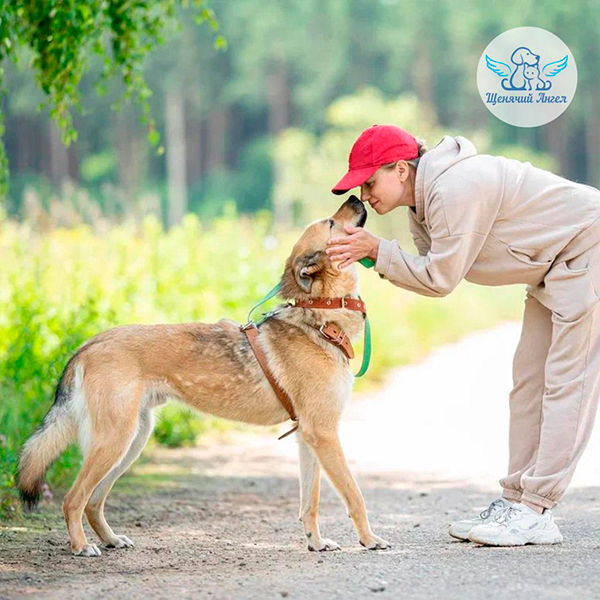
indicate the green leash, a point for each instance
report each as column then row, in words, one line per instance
column 272, row 293
column 366, row 349
column 366, row 262
column 369, row 264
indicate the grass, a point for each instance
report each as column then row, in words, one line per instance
column 60, row 287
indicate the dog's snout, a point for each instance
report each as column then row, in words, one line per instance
column 362, row 219
column 360, row 209
column 352, row 212
column 355, row 203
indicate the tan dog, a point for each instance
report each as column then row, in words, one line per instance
column 109, row 388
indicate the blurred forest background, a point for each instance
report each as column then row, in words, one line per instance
column 267, row 123
column 114, row 230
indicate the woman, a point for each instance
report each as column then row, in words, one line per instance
column 496, row 221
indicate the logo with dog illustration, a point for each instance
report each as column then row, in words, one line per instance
column 526, row 73
column 539, row 90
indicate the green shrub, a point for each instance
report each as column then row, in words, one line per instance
column 61, row 287
column 35, row 345
column 177, row 426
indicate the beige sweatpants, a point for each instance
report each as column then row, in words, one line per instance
column 556, row 376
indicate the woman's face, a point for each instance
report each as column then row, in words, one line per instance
column 388, row 188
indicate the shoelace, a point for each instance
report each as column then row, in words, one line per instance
column 488, row 511
column 504, row 515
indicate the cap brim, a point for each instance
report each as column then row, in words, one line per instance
column 352, row 179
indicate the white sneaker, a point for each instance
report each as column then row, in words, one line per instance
column 518, row 525
column 461, row 529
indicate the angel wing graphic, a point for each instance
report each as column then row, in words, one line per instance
column 553, row 68
column 501, row 69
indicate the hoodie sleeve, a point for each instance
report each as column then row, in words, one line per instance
column 458, row 230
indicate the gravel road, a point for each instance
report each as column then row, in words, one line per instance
column 220, row 521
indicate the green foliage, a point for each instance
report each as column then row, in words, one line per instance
column 35, row 343
column 61, row 287
column 306, row 162
column 319, row 55
column 19, row 184
column 3, row 156
column 524, row 154
column 98, row 167
column 248, row 187
column 178, row 426
column 62, row 36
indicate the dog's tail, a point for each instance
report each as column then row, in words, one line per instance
column 50, row 439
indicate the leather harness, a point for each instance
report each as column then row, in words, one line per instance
column 332, row 333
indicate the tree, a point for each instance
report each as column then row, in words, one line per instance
column 60, row 36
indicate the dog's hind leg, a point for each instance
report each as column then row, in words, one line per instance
column 94, row 510
column 108, row 439
column 310, row 481
column 328, row 449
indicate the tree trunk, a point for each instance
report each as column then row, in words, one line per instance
column 59, row 158
column 176, row 155
column 194, row 150
column 217, row 134
column 73, row 159
column 557, row 140
column 279, row 113
column 279, row 117
column 129, row 158
column 22, row 160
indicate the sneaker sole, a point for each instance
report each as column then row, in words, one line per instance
column 458, row 536
column 548, row 537
column 544, row 538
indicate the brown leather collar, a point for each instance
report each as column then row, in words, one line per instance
column 349, row 303
column 335, row 335
column 332, row 333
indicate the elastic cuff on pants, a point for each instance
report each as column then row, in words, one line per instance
column 511, row 495
column 538, row 500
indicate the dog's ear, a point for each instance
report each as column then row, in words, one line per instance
column 306, row 269
column 517, row 56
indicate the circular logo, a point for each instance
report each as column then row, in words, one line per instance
column 527, row 77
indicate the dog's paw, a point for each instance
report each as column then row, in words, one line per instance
column 323, row 545
column 374, row 542
column 88, row 550
column 120, row 541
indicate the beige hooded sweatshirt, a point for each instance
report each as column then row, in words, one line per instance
column 488, row 219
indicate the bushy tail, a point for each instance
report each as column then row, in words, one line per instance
column 45, row 445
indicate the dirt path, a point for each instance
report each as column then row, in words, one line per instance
column 220, row 520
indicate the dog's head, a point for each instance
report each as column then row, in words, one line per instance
column 525, row 56
column 309, row 273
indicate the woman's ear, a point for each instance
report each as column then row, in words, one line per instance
column 402, row 169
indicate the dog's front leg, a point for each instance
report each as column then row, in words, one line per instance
column 310, row 481
column 328, row 449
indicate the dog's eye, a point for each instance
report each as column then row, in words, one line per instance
column 331, row 223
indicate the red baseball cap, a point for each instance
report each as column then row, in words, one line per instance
column 376, row 146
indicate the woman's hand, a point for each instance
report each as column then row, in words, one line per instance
column 359, row 244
